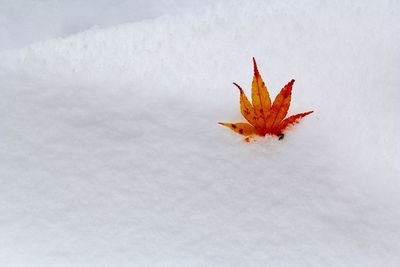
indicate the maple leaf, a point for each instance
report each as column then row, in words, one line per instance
column 262, row 116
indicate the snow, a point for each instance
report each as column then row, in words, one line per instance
column 24, row 22
column 111, row 154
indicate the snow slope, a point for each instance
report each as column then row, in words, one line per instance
column 24, row 22
column 111, row 154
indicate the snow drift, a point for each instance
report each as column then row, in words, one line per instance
column 111, row 153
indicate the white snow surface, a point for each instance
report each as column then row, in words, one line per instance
column 23, row 22
column 111, row 154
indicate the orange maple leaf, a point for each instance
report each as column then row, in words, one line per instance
column 263, row 117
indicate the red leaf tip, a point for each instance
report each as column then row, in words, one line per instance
column 256, row 73
column 238, row 86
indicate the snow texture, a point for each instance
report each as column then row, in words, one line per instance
column 111, row 154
